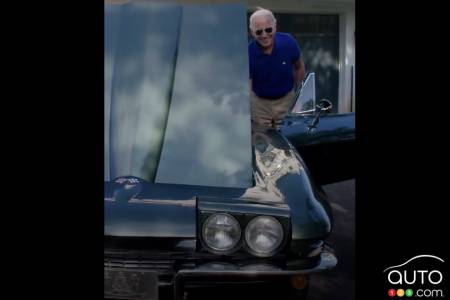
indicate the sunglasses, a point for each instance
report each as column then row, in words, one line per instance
column 267, row 30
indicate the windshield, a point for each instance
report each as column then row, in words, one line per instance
column 177, row 106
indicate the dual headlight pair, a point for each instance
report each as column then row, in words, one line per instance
column 263, row 235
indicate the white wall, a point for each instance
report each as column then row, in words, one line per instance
column 347, row 61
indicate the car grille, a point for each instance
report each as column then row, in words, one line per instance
column 161, row 266
column 164, row 267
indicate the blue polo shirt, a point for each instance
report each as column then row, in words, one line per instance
column 272, row 74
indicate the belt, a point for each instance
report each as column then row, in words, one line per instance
column 272, row 97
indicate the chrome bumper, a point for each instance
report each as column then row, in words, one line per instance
column 326, row 261
column 219, row 273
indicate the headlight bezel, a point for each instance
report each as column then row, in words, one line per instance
column 243, row 219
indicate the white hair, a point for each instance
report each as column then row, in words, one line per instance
column 262, row 12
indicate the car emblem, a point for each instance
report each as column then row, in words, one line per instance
column 127, row 180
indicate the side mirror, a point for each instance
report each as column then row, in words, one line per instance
column 324, row 106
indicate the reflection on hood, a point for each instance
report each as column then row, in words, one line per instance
column 273, row 161
column 177, row 107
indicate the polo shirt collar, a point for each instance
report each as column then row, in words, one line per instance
column 259, row 51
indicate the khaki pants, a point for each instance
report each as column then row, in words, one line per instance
column 270, row 113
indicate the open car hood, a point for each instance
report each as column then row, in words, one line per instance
column 177, row 106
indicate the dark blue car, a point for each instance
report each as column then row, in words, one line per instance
column 193, row 199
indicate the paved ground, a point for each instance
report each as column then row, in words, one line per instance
column 339, row 284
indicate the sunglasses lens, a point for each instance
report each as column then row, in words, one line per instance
column 267, row 30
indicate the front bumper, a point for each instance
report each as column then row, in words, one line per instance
column 215, row 273
column 251, row 273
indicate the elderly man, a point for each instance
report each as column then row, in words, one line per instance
column 276, row 69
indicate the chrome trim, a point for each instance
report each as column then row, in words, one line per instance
column 327, row 261
column 190, row 202
column 298, row 94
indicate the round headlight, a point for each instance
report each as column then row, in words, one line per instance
column 221, row 232
column 264, row 235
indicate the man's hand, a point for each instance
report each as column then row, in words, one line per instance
column 266, row 121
